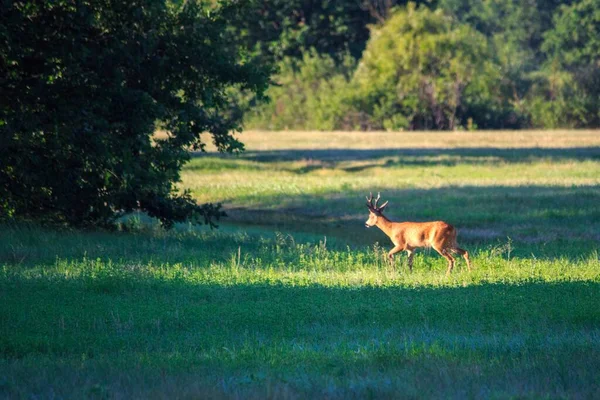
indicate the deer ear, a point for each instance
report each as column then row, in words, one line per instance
column 384, row 205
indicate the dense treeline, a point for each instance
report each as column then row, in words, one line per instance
column 447, row 64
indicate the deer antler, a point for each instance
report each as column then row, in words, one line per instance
column 376, row 200
column 370, row 200
column 373, row 206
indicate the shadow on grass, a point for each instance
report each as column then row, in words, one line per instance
column 105, row 314
column 528, row 214
column 366, row 339
column 548, row 222
column 422, row 157
column 30, row 246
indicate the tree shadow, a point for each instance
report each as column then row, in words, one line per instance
column 540, row 218
column 547, row 221
column 39, row 247
column 242, row 306
column 330, row 158
column 507, row 333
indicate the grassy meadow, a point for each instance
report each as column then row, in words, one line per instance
column 291, row 297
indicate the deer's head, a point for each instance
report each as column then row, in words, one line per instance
column 374, row 211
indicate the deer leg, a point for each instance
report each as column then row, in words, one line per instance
column 445, row 253
column 451, row 263
column 465, row 255
column 393, row 251
column 410, row 253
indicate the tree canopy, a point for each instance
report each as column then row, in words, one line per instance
column 446, row 64
column 418, row 68
column 84, row 86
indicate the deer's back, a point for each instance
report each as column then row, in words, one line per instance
column 425, row 234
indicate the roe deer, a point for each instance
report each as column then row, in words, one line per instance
column 407, row 236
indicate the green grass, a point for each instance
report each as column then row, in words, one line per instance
column 291, row 298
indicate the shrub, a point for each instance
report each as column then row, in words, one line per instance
column 424, row 70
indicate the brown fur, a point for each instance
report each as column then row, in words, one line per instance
column 407, row 236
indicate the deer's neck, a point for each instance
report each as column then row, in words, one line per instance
column 385, row 225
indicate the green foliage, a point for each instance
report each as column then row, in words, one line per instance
column 83, row 86
column 285, row 28
column 556, row 99
column 520, row 24
column 309, row 94
column 569, row 81
column 277, row 29
column 418, row 69
column 532, row 41
column 575, row 37
column 509, row 64
column 421, row 70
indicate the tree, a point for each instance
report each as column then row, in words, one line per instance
column 279, row 29
column 419, row 70
column 568, row 87
column 309, row 94
column 285, row 28
column 575, row 37
column 516, row 31
column 84, row 85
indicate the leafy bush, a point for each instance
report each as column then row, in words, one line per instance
column 555, row 100
column 309, row 94
column 424, row 70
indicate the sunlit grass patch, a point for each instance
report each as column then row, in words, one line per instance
column 266, row 313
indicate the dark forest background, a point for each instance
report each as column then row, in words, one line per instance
column 440, row 64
